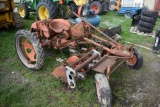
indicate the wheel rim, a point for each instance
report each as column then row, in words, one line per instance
column 98, row 91
column 25, row 51
column 128, row 15
column 112, row 7
column 132, row 61
column 95, row 8
column 43, row 13
column 29, row 50
column 21, row 11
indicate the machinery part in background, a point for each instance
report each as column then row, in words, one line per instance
column 100, row 7
column 23, row 10
column 94, row 20
column 80, row 2
column 8, row 18
column 117, row 7
column 112, row 5
column 88, row 15
column 46, row 9
column 145, row 30
column 17, row 20
column 72, row 7
column 137, row 16
column 147, row 21
column 146, row 24
column 96, row 6
column 128, row 14
column 150, row 13
column 103, row 90
column 29, row 49
column 113, row 30
column 136, row 61
column 135, row 20
column 157, row 42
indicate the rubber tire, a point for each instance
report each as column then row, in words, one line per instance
column 153, row 14
column 105, row 8
column 17, row 19
column 99, row 5
column 143, row 29
column 112, row 3
column 148, row 19
column 139, row 62
column 128, row 12
column 50, row 6
column 73, row 8
column 26, row 9
column 105, row 91
column 146, row 24
column 36, row 45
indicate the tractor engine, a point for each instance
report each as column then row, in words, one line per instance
column 52, row 33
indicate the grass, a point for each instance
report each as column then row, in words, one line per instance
column 21, row 86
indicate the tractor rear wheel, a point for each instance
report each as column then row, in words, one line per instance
column 96, row 6
column 23, row 10
column 136, row 61
column 46, row 10
column 103, row 90
column 29, row 49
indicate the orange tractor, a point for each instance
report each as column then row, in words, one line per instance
column 87, row 52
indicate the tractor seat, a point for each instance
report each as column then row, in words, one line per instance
column 58, row 27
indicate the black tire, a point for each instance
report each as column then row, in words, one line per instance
column 105, row 7
column 112, row 5
column 18, row 20
column 96, row 6
column 143, row 29
column 148, row 13
column 72, row 7
column 23, row 6
column 103, row 90
column 148, row 19
column 146, row 24
column 22, row 35
column 139, row 60
column 128, row 14
column 51, row 8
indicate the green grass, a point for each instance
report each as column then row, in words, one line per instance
column 20, row 86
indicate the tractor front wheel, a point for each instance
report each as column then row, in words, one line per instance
column 23, row 10
column 46, row 10
column 29, row 49
column 103, row 90
column 136, row 61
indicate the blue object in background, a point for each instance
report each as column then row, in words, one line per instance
column 128, row 11
column 94, row 20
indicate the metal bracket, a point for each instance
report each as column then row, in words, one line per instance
column 71, row 73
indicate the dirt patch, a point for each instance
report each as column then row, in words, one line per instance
column 142, row 87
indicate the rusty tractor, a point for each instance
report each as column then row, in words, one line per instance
column 88, row 52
